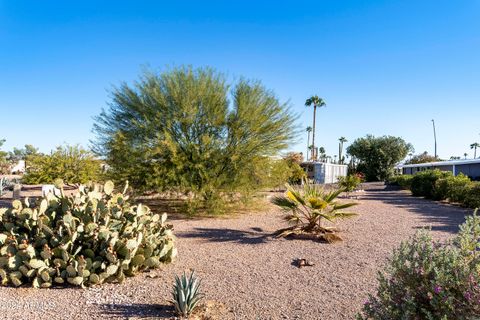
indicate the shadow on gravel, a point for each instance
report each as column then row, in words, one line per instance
column 256, row 236
column 441, row 216
column 141, row 311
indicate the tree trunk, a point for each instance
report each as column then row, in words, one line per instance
column 308, row 143
column 314, row 156
column 340, row 153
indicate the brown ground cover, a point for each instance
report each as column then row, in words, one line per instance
column 251, row 275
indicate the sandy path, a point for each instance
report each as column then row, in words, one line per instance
column 251, row 273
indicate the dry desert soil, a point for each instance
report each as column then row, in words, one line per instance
column 251, row 275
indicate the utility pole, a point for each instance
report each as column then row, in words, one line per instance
column 435, row 137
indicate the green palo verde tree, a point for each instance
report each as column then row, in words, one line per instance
column 377, row 156
column 189, row 130
column 72, row 164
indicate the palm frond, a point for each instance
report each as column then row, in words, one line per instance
column 345, row 215
column 284, row 203
column 294, row 195
column 328, row 217
column 317, row 203
column 332, row 195
column 340, row 206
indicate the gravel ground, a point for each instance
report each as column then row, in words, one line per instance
column 251, row 273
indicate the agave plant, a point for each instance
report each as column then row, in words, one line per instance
column 186, row 294
column 308, row 207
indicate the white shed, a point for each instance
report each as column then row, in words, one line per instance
column 323, row 173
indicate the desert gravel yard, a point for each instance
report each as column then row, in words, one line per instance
column 250, row 274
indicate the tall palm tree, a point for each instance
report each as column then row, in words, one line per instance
column 340, row 149
column 309, row 131
column 321, row 151
column 465, row 155
column 316, row 102
column 474, row 146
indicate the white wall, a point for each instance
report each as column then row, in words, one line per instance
column 329, row 172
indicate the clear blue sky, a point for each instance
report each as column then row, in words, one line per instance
column 383, row 67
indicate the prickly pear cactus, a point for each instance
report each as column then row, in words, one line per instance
column 4, row 185
column 91, row 237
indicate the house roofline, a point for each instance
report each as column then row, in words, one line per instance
column 440, row 163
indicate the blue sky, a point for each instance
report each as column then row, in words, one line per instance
column 383, row 67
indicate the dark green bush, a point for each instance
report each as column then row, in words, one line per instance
column 441, row 185
column 472, row 195
column 452, row 188
column 404, row 180
column 429, row 280
column 423, row 183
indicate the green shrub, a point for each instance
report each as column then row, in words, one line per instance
column 458, row 191
column 88, row 238
column 276, row 173
column 441, row 185
column 472, row 195
column 404, row 180
column 423, row 183
column 350, row 182
column 428, row 280
column 452, row 188
column 72, row 164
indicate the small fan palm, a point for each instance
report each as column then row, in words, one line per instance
column 308, row 207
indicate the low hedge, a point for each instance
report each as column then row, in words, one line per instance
column 472, row 196
column 441, row 185
column 404, row 181
column 453, row 188
column 423, row 183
